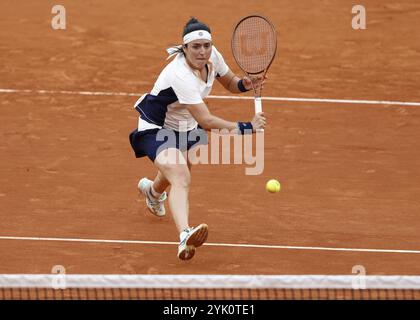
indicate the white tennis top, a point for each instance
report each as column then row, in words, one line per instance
column 177, row 85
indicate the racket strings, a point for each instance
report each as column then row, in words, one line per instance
column 254, row 44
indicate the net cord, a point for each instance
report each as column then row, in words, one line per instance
column 211, row 281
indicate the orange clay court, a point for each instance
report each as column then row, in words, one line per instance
column 350, row 172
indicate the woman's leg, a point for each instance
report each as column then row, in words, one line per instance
column 178, row 175
column 157, row 187
column 159, row 184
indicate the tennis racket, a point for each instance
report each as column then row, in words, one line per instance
column 254, row 46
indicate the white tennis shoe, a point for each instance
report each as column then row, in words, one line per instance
column 156, row 206
column 192, row 238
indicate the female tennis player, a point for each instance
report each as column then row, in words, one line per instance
column 174, row 119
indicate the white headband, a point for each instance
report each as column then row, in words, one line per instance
column 197, row 35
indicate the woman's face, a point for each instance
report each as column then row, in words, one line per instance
column 198, row 53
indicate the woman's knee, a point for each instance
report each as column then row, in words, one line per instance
column 176, row 175
column 180, row 177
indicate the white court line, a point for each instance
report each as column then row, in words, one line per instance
column 210, row 244
column 339, row 101
column 83, row 93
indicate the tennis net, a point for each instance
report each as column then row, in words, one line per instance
column 208, row 287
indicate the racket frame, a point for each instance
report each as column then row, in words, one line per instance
column 257, row 95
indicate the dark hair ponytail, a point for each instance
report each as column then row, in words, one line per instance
column 193, row 24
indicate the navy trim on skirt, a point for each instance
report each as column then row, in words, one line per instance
column 151, row 142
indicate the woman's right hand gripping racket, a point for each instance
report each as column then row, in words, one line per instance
column 254, row 45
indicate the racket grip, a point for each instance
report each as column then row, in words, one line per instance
column 258, row 108
column 258, row 105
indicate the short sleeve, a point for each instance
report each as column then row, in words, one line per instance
column 220, row 67
column 187, row 90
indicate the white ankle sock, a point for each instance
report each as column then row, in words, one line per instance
column 153, row 192
column 183, row 234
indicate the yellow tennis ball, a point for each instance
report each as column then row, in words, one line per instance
column 273, row 186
